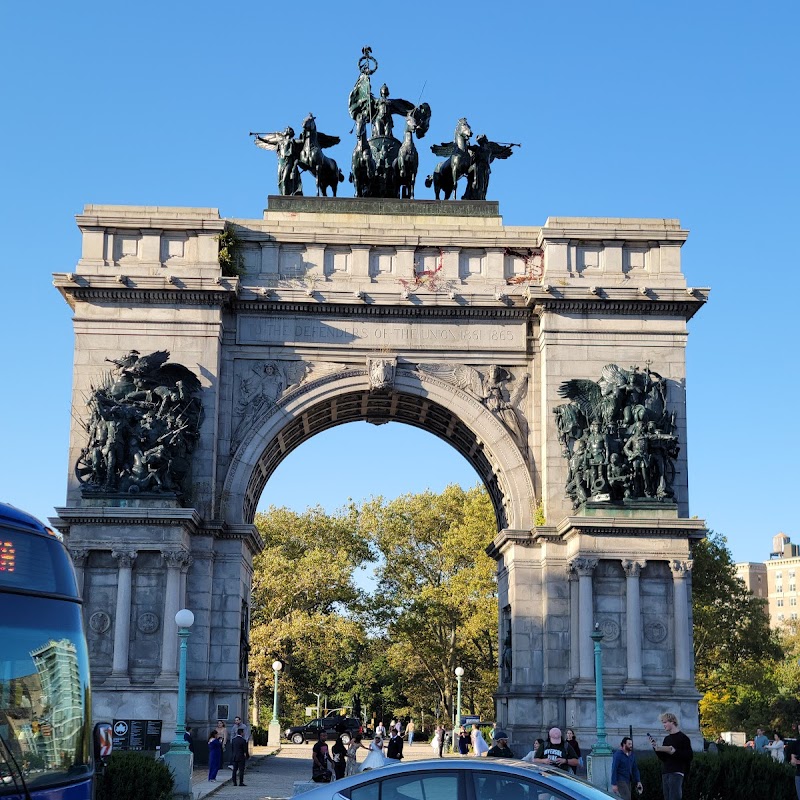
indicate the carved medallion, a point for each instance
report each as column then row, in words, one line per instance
column 655, row 632
column 99, row 622
column 610, row 628
column 147, row 622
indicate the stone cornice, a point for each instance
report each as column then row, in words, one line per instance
column 111, row 515
column 494, row 312
column 151, row 218
column 632, row 526
column 143, row 290
column 610, row 228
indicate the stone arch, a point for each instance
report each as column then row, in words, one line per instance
column 414, row 399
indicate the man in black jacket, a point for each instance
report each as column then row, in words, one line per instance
column 395, row 747
column 239, row 755
column 675, row 755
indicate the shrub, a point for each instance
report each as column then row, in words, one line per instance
column 732, row 774
column 133, row 776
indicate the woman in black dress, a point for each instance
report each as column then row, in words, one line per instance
column 339, row 757
column 572, row 741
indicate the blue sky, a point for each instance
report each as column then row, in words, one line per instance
column 684, row 110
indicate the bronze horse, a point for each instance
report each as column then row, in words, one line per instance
column 363, row 163
column 322, row 167
column 407, row 162
column 446, row 173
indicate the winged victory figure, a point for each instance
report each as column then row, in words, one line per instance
column 288, row 149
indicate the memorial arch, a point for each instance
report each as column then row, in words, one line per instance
column 426, row 313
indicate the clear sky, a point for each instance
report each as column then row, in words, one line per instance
column 679, row 109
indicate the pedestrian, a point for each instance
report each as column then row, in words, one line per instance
column 776, row 748
column 352, row 756
column 436, row 741
column 239, row 755
column 444, row 738
column 398, row 726
column 676, row 757
column 760, row 742
column 572, row 741
column 500, row 749
column 479, row 746
column 625, row 770
column 222, row 732
column 492, row 733
column 237, row 724
column 214, row 755
column 794, row 759
column 410, row 732
column 381, row 730
column 463, row 742
column 339, row 756
column 189, row 739
column 531, row 754
column 375, row 758
column 556, row 752
column 320, row 760
column 394, row 749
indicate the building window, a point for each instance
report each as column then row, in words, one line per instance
column 778, row 575
column 793, row 601
column 792, row 587
column 791, row 574
column 779, row 603
column 794, row 615
column 779, row 587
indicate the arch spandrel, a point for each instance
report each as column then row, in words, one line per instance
column 419, row 400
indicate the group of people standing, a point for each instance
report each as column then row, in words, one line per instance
column 340, row 760
column 234, row 743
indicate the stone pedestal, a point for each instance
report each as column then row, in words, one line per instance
column 598, row 771
column 274, row 734
column 181, row 764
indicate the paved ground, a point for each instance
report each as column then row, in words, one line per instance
column 271, row 775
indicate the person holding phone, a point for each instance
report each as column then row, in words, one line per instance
column 675, row 754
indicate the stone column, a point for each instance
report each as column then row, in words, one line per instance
column 122, row 616
column 633, row 616
column 184, row 572
column 174, row 561
column 585, row 568
column 574, row 648
column 680, row 572
column 79, row 558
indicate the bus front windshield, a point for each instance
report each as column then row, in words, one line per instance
column 44, row 690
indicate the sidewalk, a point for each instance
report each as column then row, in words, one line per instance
column 271, row 774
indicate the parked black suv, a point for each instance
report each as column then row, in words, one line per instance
column 349, row 726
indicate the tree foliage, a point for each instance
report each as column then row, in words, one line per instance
column 433, row 606
column 437, row 589
column 734, row 644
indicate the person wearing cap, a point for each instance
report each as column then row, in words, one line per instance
column 500, row 749
column 556, row 752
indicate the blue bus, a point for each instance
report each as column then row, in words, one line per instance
column 46, row 748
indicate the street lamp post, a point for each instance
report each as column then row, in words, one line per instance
column 180, row 758
column 459, row 675
column 599, row 762
column 274, row 730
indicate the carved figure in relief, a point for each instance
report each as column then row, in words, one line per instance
column 143, row 424
column 490, row 388
column 263, row 385
column 618, row 436
column 381, row 372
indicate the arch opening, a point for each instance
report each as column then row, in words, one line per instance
column 377, row 408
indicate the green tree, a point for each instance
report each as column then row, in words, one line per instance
column 437, row 591
column 305, row 603
column 734, row 645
